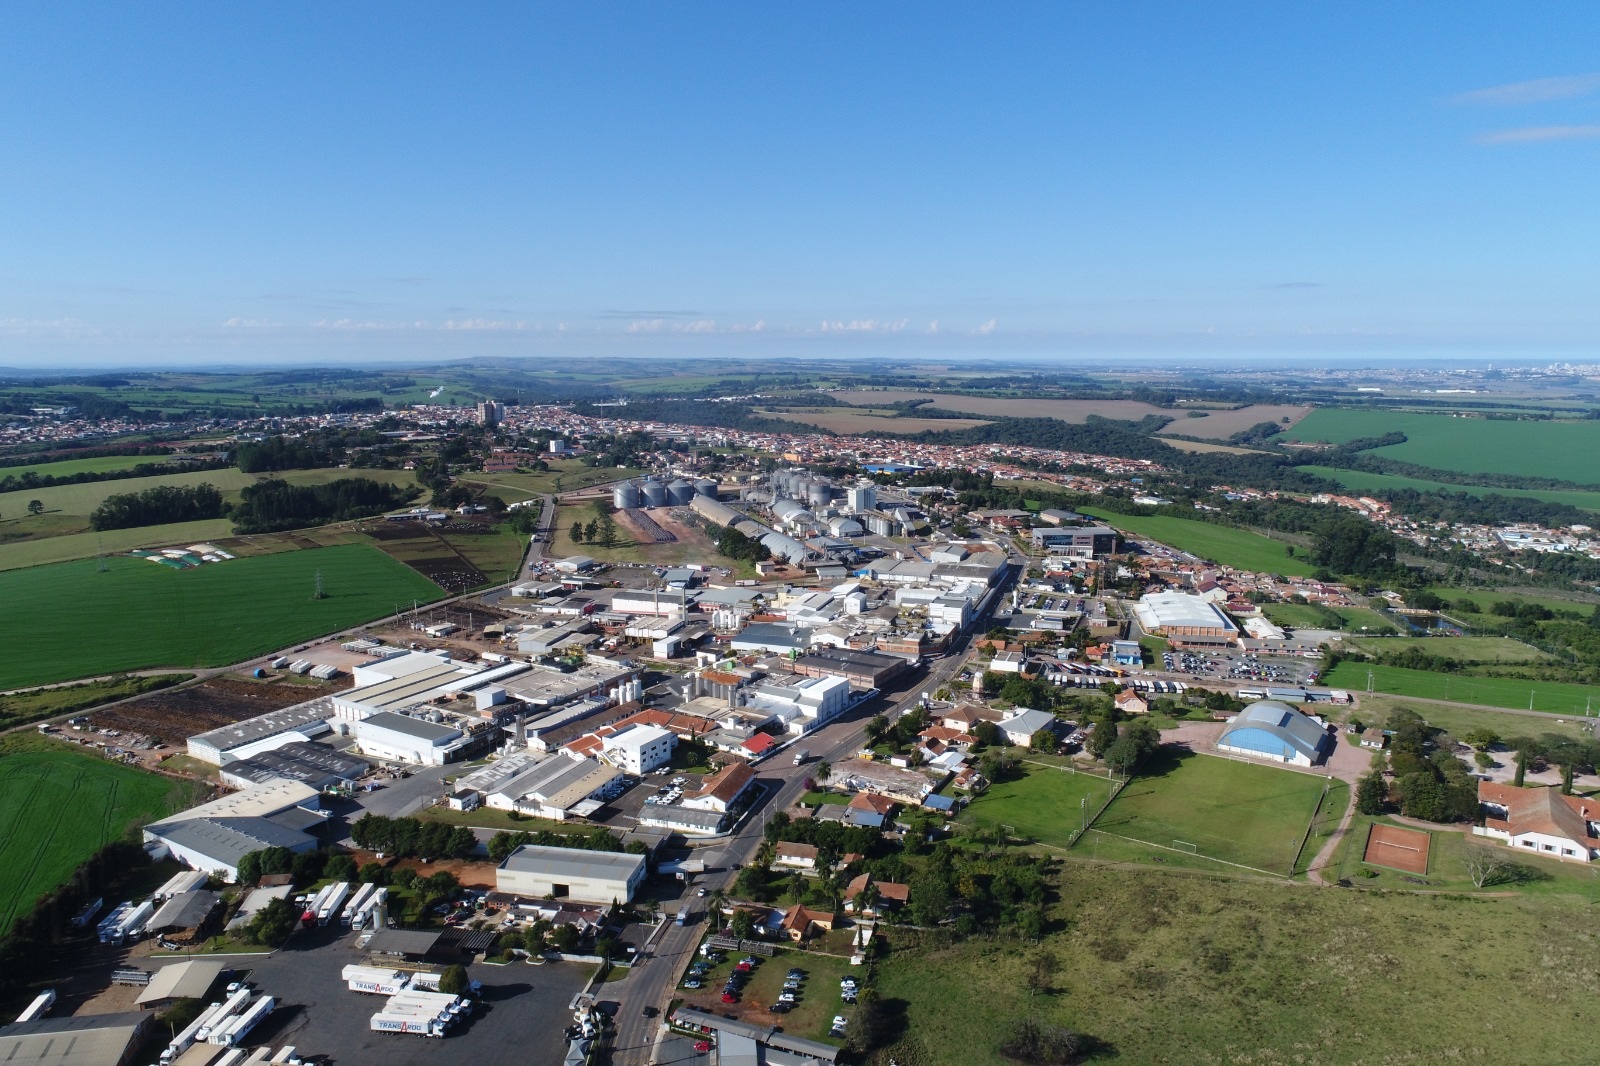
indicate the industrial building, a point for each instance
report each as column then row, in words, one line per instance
column 1272, row 730
column 557, row 787
column 79, row 1040
column 403, row 738
column 638, row 749
column 1186, row 621
column 216, row 835
column 265, row 732
column 1076, row 542
column 315, row 765
column 601, row 877
column 862, row 669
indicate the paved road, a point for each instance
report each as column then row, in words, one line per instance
column 653, row 982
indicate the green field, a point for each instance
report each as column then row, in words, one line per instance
column 1459, row 720
column 136, row 615
column 1362, row 481
column 60, row 549
column 1044, row 805
column 1549, row 696
column 1192, row 971
column 1461, row 649
column 1238, row 548
column 69, row 467
column 84, row 498
column 564, row 475
column 58, row 807
column 1238, row 812
column 1562, row 450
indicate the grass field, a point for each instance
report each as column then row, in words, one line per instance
column 1043, row 806
column 1238, row 548
column 1238, row 812
column 1178, row 969
column 84, row 498
column 98, row 465
column 83, row 623
column 1485, row 598
column 24, row 707
column 59, row 549
column 564, row 475
column 1549, row 696
column 1561, row 450
column 867, row 422
column 1361, row 481
column 58, row 807
column 1461, row 649
column 1459, row 720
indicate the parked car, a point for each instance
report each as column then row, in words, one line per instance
column 694, row 982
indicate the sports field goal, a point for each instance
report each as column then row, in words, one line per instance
column 1184, row 845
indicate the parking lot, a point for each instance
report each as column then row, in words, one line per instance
column 1239, row 667
column 521, row 1019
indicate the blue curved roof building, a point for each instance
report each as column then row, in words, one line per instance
column 1273, row 730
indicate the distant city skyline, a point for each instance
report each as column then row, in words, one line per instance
column 249, row 185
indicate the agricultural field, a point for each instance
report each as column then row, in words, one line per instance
column 98, row 465
column 79, row 500
column 1549, row 696
column 1561, row 450
column 1044, row 805
column 1461, row 649
column 1238, row 548
column 1222, row 424
column 1177, row 969
column 462, row 555
column 1004, row 407
column 867, row 422
column 136, row 615
column 1238, row 812
column 1361, row 481
column 58, row 806
column 1199, row 447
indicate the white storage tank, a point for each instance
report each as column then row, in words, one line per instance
column 625, row 497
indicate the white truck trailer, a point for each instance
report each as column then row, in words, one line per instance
column 39, row 1007
column 375, row 980
column 407, row 1023
column 334, row 903
column 230, row 1008
column 234, row 1031
column 357, row 901
column 186, row 1039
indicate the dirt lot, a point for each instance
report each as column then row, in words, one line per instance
column 173, row 716
column 1398, row 849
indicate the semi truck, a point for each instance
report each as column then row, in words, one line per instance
column 186, row 1039
column 334, row 903
column 39, row 1007
column 357, row 902
column 407, row 1023
column 683, row 915
column 234, row 1031
column 375, row 981
column 229, row 1008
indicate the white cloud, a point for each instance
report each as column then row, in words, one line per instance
column 481, row 323
column 647, row 325
column 864, row 325
column 249, row 323
column 704, row 325
column 1537, row 91
column 987, row 328
column 933, row 327
column 43, row 327
column 759, row 327
column 1539, row 134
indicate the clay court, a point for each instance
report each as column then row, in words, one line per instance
column 1398, row 849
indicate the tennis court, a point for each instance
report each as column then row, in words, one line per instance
column 1398, row 849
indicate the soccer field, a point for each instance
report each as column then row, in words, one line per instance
column 1235, row 811
column 72, row 621
column 1044, row 805
column 57, row 808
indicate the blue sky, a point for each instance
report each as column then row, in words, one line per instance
column 237, row 183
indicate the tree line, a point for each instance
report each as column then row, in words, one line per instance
column 272, row 505
column 412, row 837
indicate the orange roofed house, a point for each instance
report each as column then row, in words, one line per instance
column 1540, row 820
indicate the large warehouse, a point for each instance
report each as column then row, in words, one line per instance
column 571, row 873
column 1186, row 621
column 1273, row 730
column 402, row 738
column 216, row 835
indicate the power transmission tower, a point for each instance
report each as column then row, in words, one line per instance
column 319, row 594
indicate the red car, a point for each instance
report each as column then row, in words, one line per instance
column 743, row 967
column 703, row 1047
column 729, row 997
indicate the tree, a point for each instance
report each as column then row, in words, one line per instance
column 273, row 923
column 1038, row 1044
column 1103, row 736
column 822, row 772
column 340, row 868
column 1485, row 864
column 453, row 980
column 36, row 507
column 576, row 533
column 743, row 925
column 1482, row 759
column 1482, row 738
column 1371, row 793
column 564, row 938
column 589, row 531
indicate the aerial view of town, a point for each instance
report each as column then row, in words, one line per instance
column 726, row 536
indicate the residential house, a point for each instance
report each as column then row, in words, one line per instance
column 802, row 923
column 1128, row 701
column 1541, row 820
column 795, row 856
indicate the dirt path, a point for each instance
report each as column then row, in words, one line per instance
column 1325, row 854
